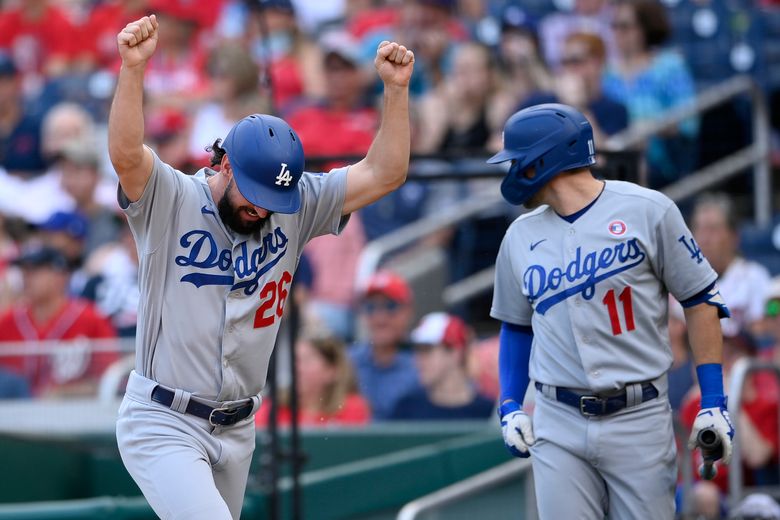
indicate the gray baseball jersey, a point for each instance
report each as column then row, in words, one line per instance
column 595, row 290
column 212, row 300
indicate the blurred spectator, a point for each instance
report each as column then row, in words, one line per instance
column 168, row 132
column 176, row 75
column 742, row 283
column 441, row 344
column 578, row 83
column 432, row 29
column 470, row 88
column 235, row 94
column 384, row 364
column 770, row 325
column 756, row 506
column 483, row 366
column 331, row 300
column 274, row 37
column 588, row 16
column 64, row 123
column 522, row 70
column 66, row 231
column 78, row 166
column 47, row 314
column 327, row 393
column 10, row 278
column 40, row 37
column 20, row 129
column 105, row 20
column 111, row 274
column 649, row 80
column 757, row 425
column 343, row 121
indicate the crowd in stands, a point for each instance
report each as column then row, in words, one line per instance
column 68, row 263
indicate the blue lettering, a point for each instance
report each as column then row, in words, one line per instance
column 202, row 252
column 589, row 270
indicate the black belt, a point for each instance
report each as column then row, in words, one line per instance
column 592, row 405
column 223, row 416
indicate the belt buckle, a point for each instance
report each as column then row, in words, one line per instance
column 227, row 410
column 584, row 399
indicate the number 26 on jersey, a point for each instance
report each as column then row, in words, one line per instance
column 273, row 296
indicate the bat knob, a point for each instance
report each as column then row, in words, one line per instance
column 708, row 471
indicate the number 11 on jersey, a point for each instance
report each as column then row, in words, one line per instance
column 628, row 310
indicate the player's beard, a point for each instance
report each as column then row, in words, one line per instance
column 231, row 216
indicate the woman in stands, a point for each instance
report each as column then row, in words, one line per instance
column 650, row 80
column 327, row 390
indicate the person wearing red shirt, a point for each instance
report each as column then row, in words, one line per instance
column 342, row 123
column 327, row 391
column 47, row 315
column 39, row 36
column 757, row 424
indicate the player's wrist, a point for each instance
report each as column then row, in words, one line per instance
column 508, row 406
column 711, row 384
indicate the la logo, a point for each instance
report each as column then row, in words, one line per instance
column 284, row 176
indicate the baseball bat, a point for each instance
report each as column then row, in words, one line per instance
column 711, row 450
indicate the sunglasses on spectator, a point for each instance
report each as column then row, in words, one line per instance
column 574, row 59
column 386, row 306
column 772, row 309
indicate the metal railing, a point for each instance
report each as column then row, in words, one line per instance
column 472, row 486
column 739, row 374
column 756, row 155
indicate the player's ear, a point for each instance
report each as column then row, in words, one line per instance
column 225, row 168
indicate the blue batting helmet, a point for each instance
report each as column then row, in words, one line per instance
column 267, row 160
column 551, row 138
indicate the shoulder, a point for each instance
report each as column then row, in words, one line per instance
column 651, row 199
column 540, row 213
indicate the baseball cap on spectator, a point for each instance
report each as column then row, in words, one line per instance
column 166, row 123
column 40, row 256
column 440, row 328
column 7, row 65
column 341, row 44
column 390, row 285
column 514, row 17
column 70, row 222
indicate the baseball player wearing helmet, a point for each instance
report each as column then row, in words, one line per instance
column 581, row 288
column 217, row 255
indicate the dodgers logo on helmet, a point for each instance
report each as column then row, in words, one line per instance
column 267, row 160
column 551, row 138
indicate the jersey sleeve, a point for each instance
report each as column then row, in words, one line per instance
column 509, row 302
column 322, row 200
column 149, row 217
column 680, row 262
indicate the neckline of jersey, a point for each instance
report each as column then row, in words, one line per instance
column 577, row 214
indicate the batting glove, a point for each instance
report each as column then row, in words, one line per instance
column 517, row 429
column 718, row 419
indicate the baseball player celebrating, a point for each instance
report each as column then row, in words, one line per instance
column 217, row 255
column 581, row 288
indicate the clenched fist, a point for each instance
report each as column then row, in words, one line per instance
column 137, row 41
column 394, row 63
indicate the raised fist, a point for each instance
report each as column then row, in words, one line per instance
column 137, row 41
column 394, row 63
